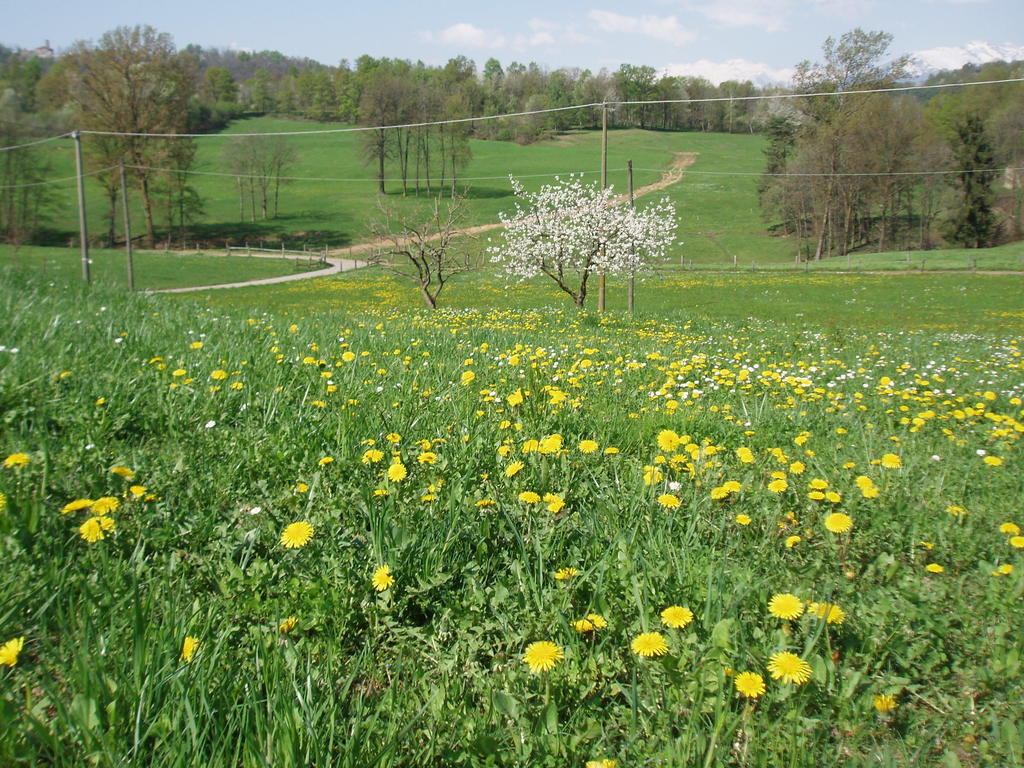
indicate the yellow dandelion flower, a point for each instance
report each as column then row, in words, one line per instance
column 587, row 446
column 16, row 460
column 649, row 644
column 778, row 486
column 1010, row 529
column 562, row 574
column 287, row 625
column 554, row 502
column 1003, row 570
column 669, row 501
column 583, row 626
column 891, row 461
column 745, row 455
column 137, row 491
column 785, row 605
column 1017, row 542
column 837, row 522
column 542, row 656
column 789, row 668
column 105, row 505
column 372, row 456
column 325, row 461
column 467, row 378
column 676, row 616
column 189, row 648
column 382, row 578
column 96, row 528
column 993, row 461
column 742, row 519
column 817, row 484
column 831, row 613
column 125, row 472
column 514, row 468
column 884, row 702
column 668, row 440
column 606, row 763
column 597, row 620
column 792, row 541
column 296, row 535
column 934, row 568
column 749, row 684
column 76, row 506
column 516, row 398
column 529, row 497
column 10, row 650
column 397, row 472
column 219, row 375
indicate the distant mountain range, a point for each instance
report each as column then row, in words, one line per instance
column 954, row 57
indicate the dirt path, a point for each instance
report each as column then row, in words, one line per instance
column 341, row 261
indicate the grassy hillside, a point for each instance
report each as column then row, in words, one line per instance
column 719, row 214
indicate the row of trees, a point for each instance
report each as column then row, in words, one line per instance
column 852, row 161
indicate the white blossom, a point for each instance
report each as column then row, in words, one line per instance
column 570, row 230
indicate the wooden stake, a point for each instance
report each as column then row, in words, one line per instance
column 127, row 230
column 83, row 230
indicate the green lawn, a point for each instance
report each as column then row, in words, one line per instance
column 153, row 269
column 930, row 301
column 810, row 481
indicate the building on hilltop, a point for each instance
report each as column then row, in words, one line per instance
column 42, row 52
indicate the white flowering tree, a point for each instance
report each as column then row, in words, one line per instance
column 570, row 230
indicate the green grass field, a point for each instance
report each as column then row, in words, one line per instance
column 153, row 269
column 719, row 214
column 773, row 521
column 951, row 302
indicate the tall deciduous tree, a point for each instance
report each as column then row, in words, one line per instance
column 133, row 82
column 570, row 230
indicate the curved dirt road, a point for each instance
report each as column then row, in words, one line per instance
column 339, row 261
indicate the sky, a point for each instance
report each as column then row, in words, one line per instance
column 760, row 40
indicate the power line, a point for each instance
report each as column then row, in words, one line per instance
column 56, row 181
column 822, row 93
column 372, row 179
column 835, row 175
column 355, row 129
column 451, row 121
column 33, row 143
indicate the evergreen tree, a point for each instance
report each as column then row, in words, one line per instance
column 973, row 223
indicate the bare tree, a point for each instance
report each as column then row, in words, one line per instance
column 132, row 82
column 421, row 247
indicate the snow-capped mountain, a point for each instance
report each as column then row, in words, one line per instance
column 953, row 57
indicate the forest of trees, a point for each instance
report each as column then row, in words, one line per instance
column 854, row 160
column 836, row 143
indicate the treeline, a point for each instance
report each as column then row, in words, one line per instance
column 889, row 171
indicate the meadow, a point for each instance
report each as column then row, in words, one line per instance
column 720, row 213
column 153, row 269
column 311, row 524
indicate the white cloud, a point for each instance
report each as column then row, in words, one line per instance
column 540, row 33
column 769, row 15
column 954, row 57
column 664, row 28
column 469, row 35
column 773, row 15
column 732, row 69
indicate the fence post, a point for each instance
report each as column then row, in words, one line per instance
column 83, row 229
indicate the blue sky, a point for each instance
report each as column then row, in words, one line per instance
column 758, row 39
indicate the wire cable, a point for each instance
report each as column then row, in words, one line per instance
column 33, row 143
column 57, row 181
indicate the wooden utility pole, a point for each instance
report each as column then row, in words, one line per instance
column 83, row 230
column 629, row 177
column 604, row 185
column 127, row 230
